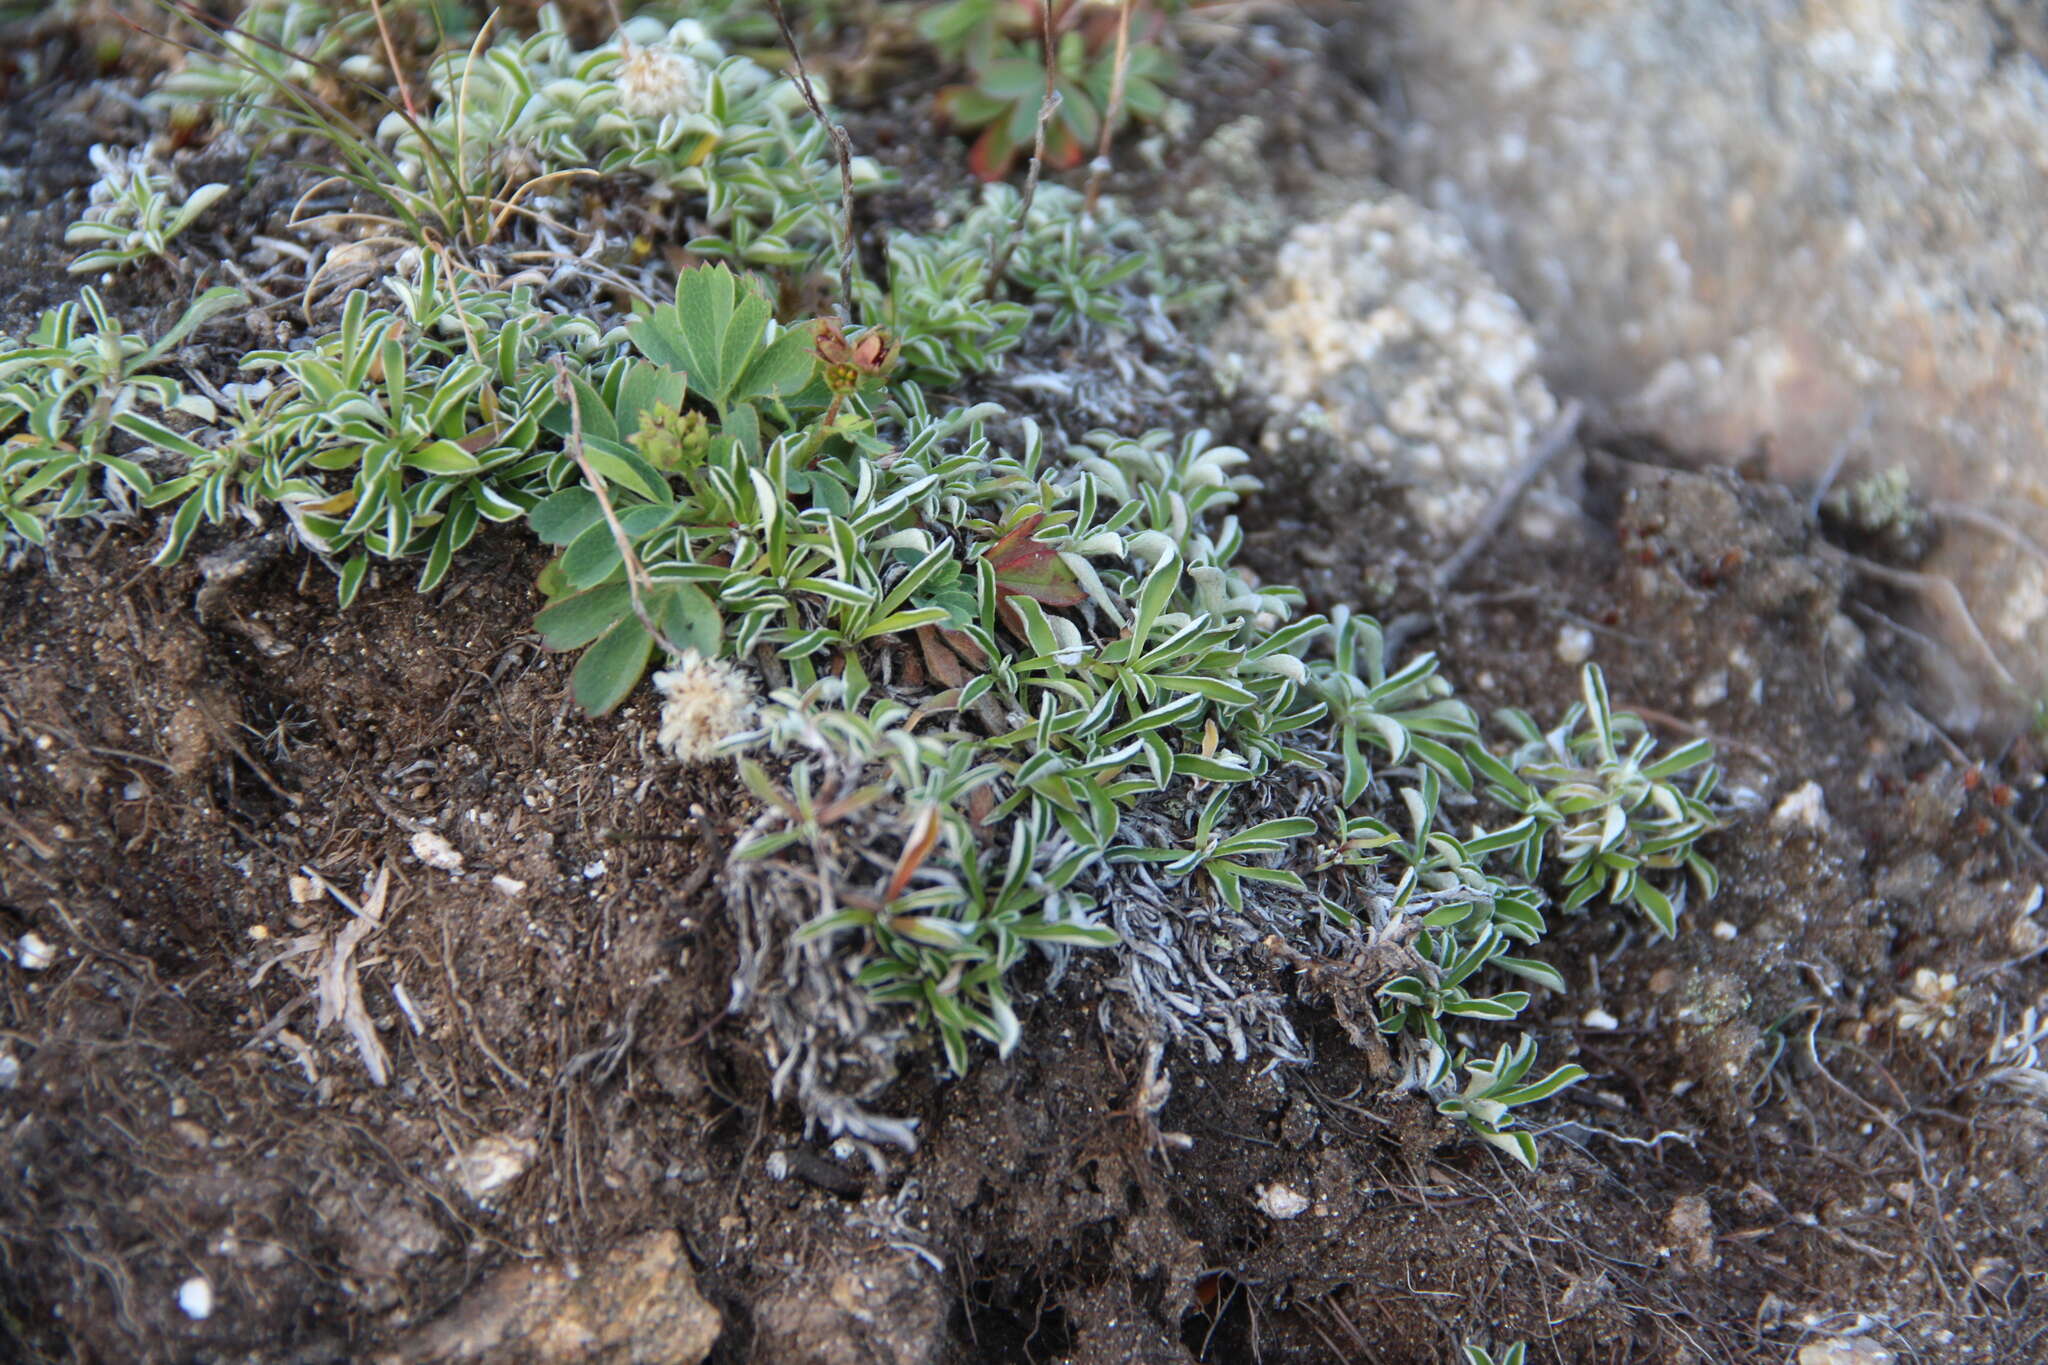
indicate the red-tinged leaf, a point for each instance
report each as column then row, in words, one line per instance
column 1025, row 567
column 924, row 836
column 1014, row 538
column 482, row 439
column 992, row 153
column 1044, row 577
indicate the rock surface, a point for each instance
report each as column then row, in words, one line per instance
column 865, row 1308
column 1785, row 223
column 637, row 1305
column 1381, row 329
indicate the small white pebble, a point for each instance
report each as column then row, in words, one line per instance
column 490, row 1164
column 304, row 889
column 34, row 952
column 1600, row 1019
column 195, row 1297
column 1712, row 690
column 592, row 871
column 1806, row 806
column 1278, row 1202
column 435, row 851
column 1725, row 931
column 510, row 886
column 1574, row 644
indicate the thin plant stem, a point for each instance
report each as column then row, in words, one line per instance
column 391, row 56
column 1553, row 443
column 637, row 581
column 842, row 145
column 1100, row 166
column 1046, row 108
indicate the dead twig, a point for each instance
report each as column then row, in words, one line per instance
column 1098, row 168
column 1942, row 593
column 476, row 1033
column 1046, row 108
column 841, row 144
column 1553, row 443
column 1998, row 526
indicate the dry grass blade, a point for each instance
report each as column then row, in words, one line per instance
column 1942, row 593
column 1554, row 443
column 1998, row 526
column 924, row 837
column 340, row 987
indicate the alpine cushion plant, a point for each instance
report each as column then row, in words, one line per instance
column 1610, row 813
column 65, row 392
column 503, row 124
column 722, row 134
column 393, row 437
column 132, row 215
column 1011, row 657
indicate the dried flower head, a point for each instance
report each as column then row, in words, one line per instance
column 850, row 364
column 703, row 703
column 1934, row 1005
column 655, row 82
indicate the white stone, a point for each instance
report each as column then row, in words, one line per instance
column 1807, row 806
column 1574, row 644
column 491, row 1164
column 34, row 952
column 1600, row 1019
column 436, row 852
column 195, row 1298
column 1277, row 1201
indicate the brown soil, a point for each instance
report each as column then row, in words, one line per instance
column 1761, row 1155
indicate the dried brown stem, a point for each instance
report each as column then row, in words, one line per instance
column 637, row 581
column 391, row 56
column 1554, row 443
column 1100, row 166
column 1942, row 594
column 841, row 144
column 1046, row 108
